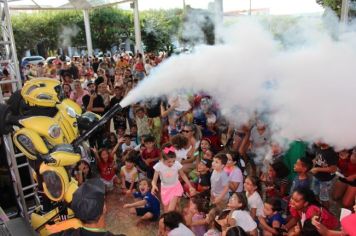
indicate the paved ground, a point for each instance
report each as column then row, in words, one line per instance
column 119, row 220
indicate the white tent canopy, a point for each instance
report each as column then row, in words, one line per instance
column 86, row 6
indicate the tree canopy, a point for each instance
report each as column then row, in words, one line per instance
column 160, row 28
column 336, row 5
column 109, row 26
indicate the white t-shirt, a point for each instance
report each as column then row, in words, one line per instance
column 131, row 176
column 181, row 154
column 168, row 175
column 255, row 201
column 237, row 177
column 244, row 220
column 181, row 230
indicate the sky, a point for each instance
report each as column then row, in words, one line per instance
column 276, row 7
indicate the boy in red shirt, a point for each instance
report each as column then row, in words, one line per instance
column 150, row 155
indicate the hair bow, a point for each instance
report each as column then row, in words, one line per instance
column 167, row 150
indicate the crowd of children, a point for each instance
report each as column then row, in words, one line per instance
column 234, row 180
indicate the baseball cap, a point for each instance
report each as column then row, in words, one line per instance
column 88, row 200
column 206, row 162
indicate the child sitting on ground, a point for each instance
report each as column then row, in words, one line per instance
column 128, row 144
column 212, row 225
column 182, row 146
column 82, row 171
column 219, row 181
column 275, row 180
column 223, row 221
column 204, row 176
column 273, row 220
column 255, row 203
column 196, row 215
column 107, row 166
column 205, row 145
column 143, row 127
column 129, row 174
column 240, row 216
column 148, row 207
column 150, row 156
column 202, row 185
column 302, row 180
column 208, row 155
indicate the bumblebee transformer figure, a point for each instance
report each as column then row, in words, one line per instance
column 49, row 130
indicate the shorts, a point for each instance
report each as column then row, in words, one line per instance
column 322, row 189
column 143, row 210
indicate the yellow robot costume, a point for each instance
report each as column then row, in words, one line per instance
column 49, row 130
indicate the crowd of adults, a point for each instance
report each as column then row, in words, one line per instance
column 235, row 180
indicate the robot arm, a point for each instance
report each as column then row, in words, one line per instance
column 41, row 138
column 30, row 143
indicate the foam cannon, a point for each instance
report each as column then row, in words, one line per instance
column 98, row 125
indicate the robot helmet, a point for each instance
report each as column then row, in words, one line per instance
column 42, row 92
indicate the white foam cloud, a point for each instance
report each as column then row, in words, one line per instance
column 307, row 90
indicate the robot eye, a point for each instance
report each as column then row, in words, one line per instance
column 44, row 97
column 30, row 89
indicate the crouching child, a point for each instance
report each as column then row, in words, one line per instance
column 148, row 206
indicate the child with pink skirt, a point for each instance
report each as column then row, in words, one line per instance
column 169, row 170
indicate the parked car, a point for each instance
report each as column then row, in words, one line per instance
column 34, row 60
column 76, row 58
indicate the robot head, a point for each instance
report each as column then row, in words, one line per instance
column 42, row 92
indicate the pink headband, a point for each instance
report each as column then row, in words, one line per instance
column 166, row 150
